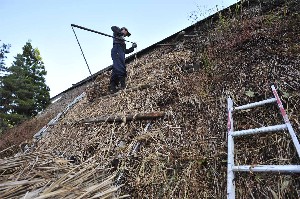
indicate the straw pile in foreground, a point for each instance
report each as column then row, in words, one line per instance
column 41, row 175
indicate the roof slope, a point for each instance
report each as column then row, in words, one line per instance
column 184, row 153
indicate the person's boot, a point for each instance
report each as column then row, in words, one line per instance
column 122, row 82
column 112, row 87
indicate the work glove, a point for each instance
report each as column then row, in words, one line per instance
column 134, row 45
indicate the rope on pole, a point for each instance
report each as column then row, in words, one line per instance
column 81, row 50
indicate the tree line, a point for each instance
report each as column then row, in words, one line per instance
column 23, row 88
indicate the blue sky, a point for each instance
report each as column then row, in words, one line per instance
column 47, row 23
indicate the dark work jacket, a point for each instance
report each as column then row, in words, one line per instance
column 119, row 39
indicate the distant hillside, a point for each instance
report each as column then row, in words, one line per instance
column 165, row 136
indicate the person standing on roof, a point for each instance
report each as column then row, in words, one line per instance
column 118, row 52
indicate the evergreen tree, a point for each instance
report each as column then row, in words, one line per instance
column 3, row 50
column 23, row 90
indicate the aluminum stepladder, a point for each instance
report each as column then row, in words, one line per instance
column 231, row 168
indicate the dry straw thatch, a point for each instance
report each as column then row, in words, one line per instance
column 184, row 154
column 41, row 175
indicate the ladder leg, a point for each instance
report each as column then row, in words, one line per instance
column 287, row 121
column 230, row 161
column 294, row 138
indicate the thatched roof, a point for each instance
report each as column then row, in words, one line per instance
column 166, row 135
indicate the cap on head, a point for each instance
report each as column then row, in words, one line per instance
column 128, row 33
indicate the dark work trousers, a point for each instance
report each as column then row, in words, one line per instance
column 119, row 68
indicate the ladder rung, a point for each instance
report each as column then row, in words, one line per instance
column 268, row 168
column 255, row 104
column 260, row 130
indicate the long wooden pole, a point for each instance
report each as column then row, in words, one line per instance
column 94, row 31
column 130, row 117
